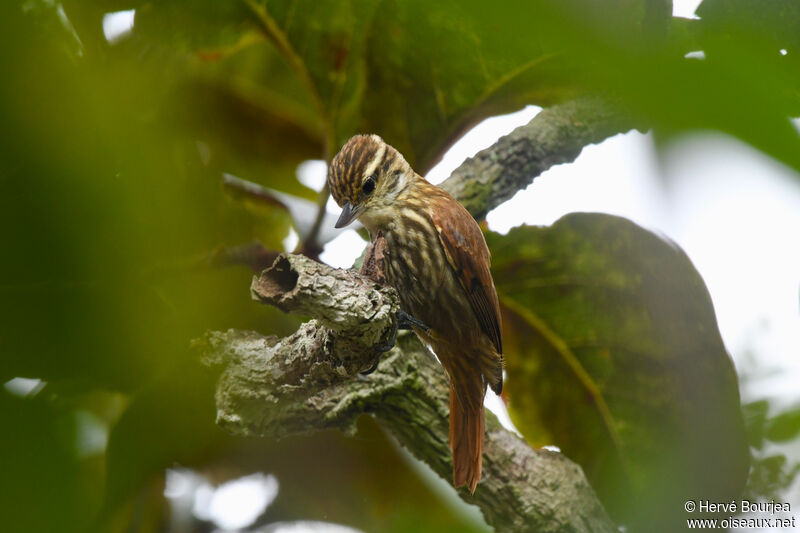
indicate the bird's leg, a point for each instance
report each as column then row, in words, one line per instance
column 406, row 321
column 402, row 321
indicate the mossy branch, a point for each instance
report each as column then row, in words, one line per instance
column 556, row 135
column 311, row 380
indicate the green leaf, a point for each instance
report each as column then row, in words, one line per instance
column 44, row 484
column 613, row 355
column 732, row 18
column 104, row 277
column 299, row 77
column 784, row 427
column 417, row 73
column 770, row 477
column 771, row 473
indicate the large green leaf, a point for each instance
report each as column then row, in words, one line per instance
column 108, row 222
column 44, row 487
column 613, row 354
column 416, row 72
column 744, row 87
column 297, row 77
column 732, row 18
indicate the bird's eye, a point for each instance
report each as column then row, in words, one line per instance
column 369, row 185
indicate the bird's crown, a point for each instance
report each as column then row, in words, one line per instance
column 361, row 157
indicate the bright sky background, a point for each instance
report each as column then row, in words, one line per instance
column 684, row 8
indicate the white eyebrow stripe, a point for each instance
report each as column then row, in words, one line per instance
column 376, row 160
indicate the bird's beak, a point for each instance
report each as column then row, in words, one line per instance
column 349, row 213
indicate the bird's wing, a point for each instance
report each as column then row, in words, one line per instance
column 466, row 251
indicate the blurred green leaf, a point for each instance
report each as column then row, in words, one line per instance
column 733, row 18
column 784, row 426
column 613, row 354
column 770, row 476
column 45, row 487
column 771, row 472
column 417, row 73
column 109, row 220
column 303, row 212
column 742, row 87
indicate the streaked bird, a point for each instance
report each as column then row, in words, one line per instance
column 437, row 260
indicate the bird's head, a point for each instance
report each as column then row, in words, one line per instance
column 366, row 177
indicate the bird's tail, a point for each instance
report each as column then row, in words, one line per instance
column 466, row 432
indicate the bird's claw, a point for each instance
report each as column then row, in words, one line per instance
column 402, row 321
column 371, row 369
column 390, row 342
column 406, row 321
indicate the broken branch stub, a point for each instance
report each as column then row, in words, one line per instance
column 358, row 312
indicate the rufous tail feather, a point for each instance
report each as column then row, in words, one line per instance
column 466, row 436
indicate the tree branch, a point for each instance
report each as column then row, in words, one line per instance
column 310, row 380
column 556, row 135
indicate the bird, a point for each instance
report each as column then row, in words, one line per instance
column 437, row 260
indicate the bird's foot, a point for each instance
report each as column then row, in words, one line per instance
column 406, row 321
column 402, row 321
column 390, row 342
column 371, row 369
